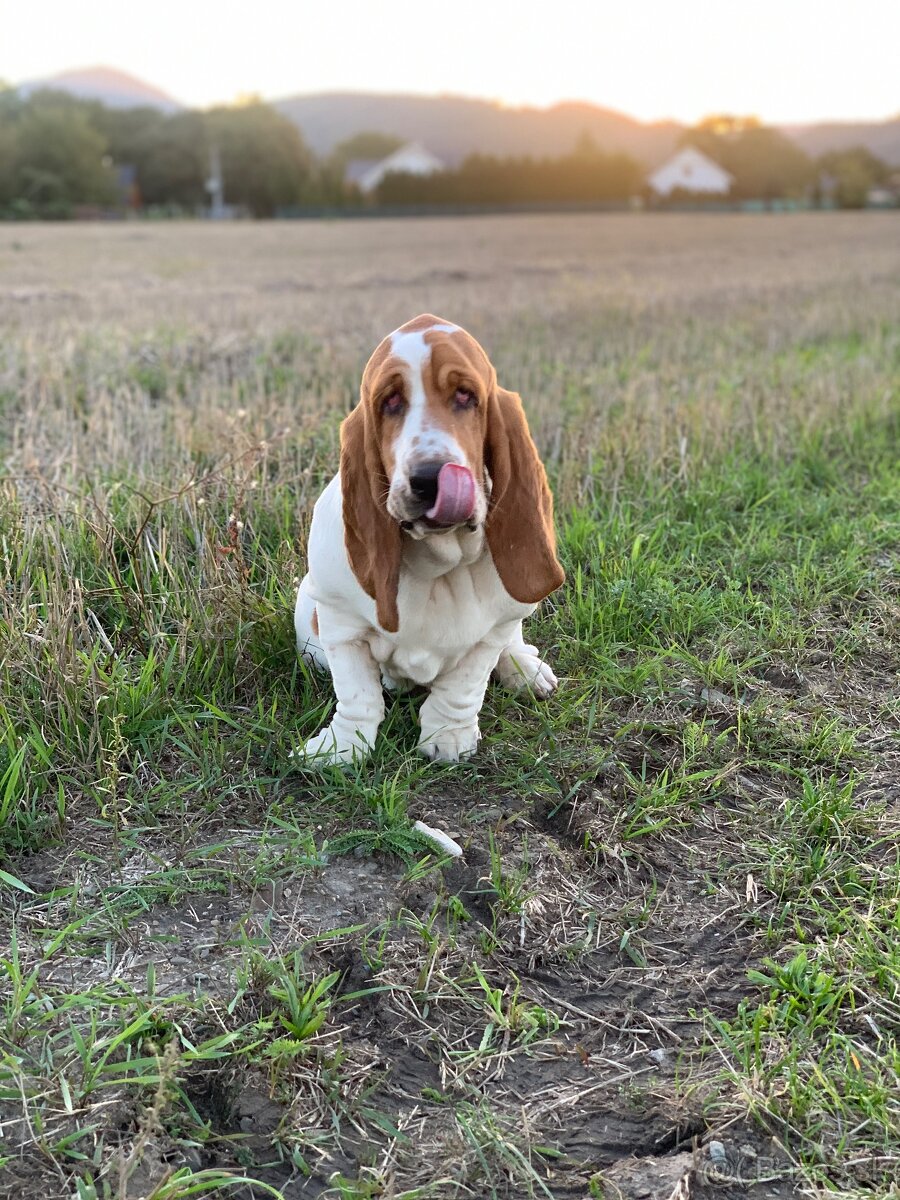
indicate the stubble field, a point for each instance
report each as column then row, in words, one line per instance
column 667, row 964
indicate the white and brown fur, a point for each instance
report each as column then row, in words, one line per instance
column 390, row 600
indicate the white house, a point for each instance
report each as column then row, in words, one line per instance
column 411, row 159
column 691, row 171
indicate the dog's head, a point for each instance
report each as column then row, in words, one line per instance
column 433, row 446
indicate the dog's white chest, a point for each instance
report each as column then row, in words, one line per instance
column 442, row 618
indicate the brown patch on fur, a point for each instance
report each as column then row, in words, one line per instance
column 458, row 361
column 423, row 321
column 314, row 622
column 519, row 525
column 371, row 536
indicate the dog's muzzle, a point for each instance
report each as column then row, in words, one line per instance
column 445, row 491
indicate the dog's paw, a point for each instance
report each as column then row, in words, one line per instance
column 523, row 670
column 328, row 749
column 450, row 743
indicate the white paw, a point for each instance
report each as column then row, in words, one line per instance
column 523, row 670
column 451, row 743
column 327, row 749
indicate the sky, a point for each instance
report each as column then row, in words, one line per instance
column 783, row 60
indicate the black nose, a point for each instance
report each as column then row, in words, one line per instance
column 423, row 481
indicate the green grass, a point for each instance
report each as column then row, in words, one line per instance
column 724, row 748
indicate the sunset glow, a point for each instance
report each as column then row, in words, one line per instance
column 790, row 60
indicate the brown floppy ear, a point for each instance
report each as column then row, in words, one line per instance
column 371, row 537
column 519, row 523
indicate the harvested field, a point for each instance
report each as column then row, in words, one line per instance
column 667, row 964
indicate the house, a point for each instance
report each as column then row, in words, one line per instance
column 691, row 171
column 411, row 159
column 886, row 194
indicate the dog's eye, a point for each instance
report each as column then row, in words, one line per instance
column 463, row 398
column 392, row 404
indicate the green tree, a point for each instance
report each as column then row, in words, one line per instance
column 60, row 159
column 128, row 131
column 855, row 171
column 265, row 162
column 765, row 164
column 586, row 176
column 173, row 161
column 9, row 111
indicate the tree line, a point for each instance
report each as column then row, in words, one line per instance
column 59, row 155
column 766, row 165
column 586, row 175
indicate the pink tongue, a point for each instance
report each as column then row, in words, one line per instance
column 455, row 501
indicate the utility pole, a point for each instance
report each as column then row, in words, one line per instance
column 215, row 185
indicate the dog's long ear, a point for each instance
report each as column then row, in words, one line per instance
column 519, row 523
column 371, row 537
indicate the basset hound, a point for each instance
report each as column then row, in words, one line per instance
column 429, row 547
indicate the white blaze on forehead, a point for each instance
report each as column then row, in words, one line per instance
column 411, row 346
column 420, row 437
column 413, row 350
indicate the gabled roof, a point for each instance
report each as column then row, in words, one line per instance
column 696, row 158
column 690, row 170
column 367, row 173
column 405, row 151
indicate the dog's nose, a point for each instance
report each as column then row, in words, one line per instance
column 423, row 481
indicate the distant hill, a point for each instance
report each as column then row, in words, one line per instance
column 881, row 137
column 114, row 88
column 455, row 126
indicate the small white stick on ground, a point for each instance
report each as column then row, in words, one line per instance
column 440, row 838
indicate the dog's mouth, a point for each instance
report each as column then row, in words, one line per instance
column 454, row 499
column 454, row 502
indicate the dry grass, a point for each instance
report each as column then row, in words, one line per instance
column 653, row 336
column 353, row 280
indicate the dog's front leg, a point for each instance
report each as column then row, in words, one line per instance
column 360, row 705
column 449, row 716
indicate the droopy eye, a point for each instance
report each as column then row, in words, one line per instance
column 392, row 404
column 463, row 398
